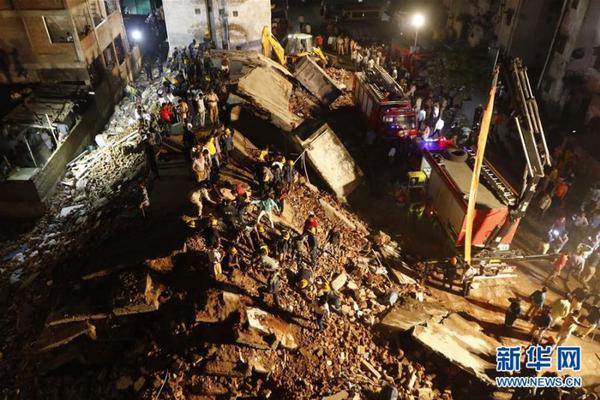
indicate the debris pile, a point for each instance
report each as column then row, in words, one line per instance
column 241, row 341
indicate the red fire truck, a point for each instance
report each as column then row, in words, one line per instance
column 383, row 103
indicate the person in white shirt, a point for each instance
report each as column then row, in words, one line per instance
column 437, row 130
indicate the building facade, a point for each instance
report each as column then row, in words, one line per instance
column 559, row 40
column 230, row 24
column 62, row 41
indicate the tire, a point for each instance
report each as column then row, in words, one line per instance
column 457, row 155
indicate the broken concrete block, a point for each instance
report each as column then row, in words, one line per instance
column 425, row 394
column 338, row 396
column 139, row 383
column 339, row 281
column 123, row 383
column 370, row 368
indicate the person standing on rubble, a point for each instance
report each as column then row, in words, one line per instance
column 212, row 235
column 199, row 166
column 283, row 246
column 467, row 279
column 212, row 101
column 321, row 309
column 450, row 272
column 311, row 225
column 148, row 69
column 289, row 174
column 150, row 155
column 189, row 141
column 215, row 257
column 266, row 207
column 232, row 259
column 200, row 108
column 537, row 302
column 313, row 247
column 274, row 287
column 226, row 145
column 198, row 196
column 541, row 323
column 333, row 242
column 183, row 110
column 298, row 249
column 513, row 312
column 145, row 203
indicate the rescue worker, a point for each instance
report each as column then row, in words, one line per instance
column 215, row 257
column 304, row 278
column 311, row 225
column 537, row 299
column 334, row 238
column 298, row 249
column 450, row 272
column 283, row 246
column 266, row 207
column 467, row 279
column 198, row 196
column 321, row 309
column 513, row 312
column 289, row 174
column 212, row 235
column 232, row 259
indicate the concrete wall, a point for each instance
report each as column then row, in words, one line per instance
column 188, row 19
column 530, row 31
column 553, row 88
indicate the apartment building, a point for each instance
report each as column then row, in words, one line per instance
column 62, row 41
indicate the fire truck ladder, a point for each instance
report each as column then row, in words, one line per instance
column 490, row 177
column 531, row 132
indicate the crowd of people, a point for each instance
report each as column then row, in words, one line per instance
column 239, row 230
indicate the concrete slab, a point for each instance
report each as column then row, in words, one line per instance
column 267, row 323
column 316, row 81
column 328, row 156
column 270, row 91
column 412, row 313
column 461, row 342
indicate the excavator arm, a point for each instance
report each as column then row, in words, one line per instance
column 271, row 44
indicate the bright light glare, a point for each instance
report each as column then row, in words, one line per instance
column 417, row 20
column 136, row 35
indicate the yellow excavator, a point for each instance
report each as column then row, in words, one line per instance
column 297, row 45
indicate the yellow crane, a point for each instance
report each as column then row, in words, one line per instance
column 297, row 45
column 483, row 135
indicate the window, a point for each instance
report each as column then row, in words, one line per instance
column 109, row 57
column 574, row 3
column 197, row 11
column 119, row 49
column 561, row 42
column 235, row 13
column 597, row 54
column 111, row 6
column 97, row 11
column 509, row 16
column 59, row 29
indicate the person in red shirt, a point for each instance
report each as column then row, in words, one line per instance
column 311, row 225
column 559, row 265
column 561, row 190
column 165, row 113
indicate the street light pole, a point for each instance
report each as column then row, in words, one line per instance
column 417, row 21
column 416, row 36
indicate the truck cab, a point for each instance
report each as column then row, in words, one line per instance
column 398, row 120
